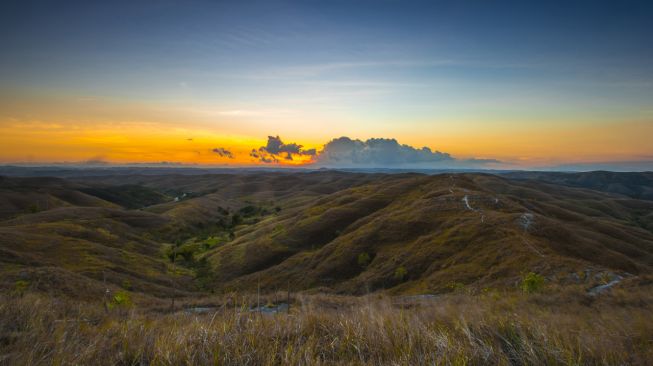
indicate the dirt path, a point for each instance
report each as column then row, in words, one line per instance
column 526, row 219
column 602, row 288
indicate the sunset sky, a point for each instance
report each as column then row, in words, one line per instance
column 525, row 84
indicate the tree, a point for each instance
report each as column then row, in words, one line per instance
column 236, row 219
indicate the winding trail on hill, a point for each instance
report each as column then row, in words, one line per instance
column 526, row 219
column 466, row 200
column 602, row 288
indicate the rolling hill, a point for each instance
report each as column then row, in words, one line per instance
column 441, row 232
column 326, row 231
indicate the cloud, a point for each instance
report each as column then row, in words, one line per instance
column 311, row 152
column 263, row 157
column 377, row 152
column 276, row 149
column 222, row 152
column 344, row 152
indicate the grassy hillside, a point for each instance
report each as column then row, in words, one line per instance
column 139, row 234
column 100, row 244
column 321, row 231
column 260, row 269
column 58, row 237
column 128, row 195
column 421, row 234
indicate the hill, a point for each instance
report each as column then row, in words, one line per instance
column 425, row 234
column 328, row 231
column 634, row 185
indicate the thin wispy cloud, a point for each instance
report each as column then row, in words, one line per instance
column 302, row 71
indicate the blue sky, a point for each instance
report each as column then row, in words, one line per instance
column 399, row 69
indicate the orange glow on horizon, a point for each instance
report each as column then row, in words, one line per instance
column 53, row 130
column 51, row 142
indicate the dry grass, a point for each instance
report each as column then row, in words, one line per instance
column 325, row 329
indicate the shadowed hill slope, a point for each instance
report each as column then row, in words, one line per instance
column 634, row 185
column 31, row 195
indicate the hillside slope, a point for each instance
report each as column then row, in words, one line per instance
column 327, row 231
column 634, row 185
column 433, row 233
column 81, row 236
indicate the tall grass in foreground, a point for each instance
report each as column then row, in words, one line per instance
column 326, row 330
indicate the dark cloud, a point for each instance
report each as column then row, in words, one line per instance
column 224, row 153
column 311, row 152
column 276, row 148
column 263, row 157
column 377, row 152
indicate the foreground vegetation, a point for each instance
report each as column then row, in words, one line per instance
column 563, row 327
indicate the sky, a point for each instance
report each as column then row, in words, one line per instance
column 523, row 84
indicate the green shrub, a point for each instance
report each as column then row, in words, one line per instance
column 122, row 299
column 400, row 273
column 532, row 282
column 363, row 259
column 456, row 286
column 204, row 275
column 20, row 287
column 213, row 241
column 249, row 211
column 186, row 252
